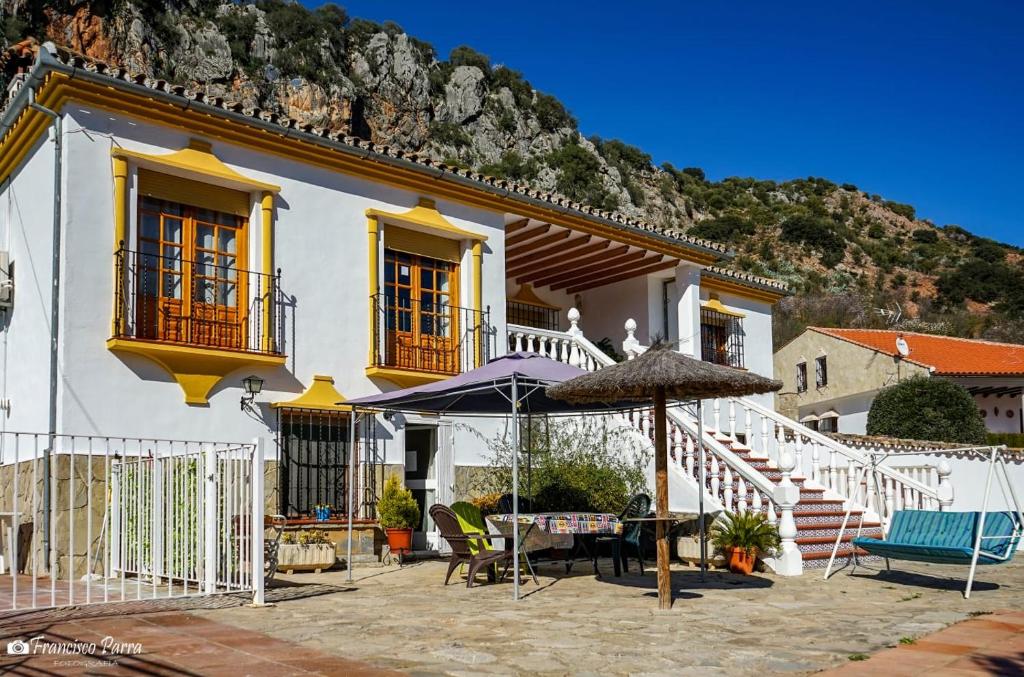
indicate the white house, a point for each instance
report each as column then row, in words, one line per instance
column 161, row 245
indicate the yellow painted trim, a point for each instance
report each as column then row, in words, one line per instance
column 478, row 298
column 421, row 243
column 120, row 226
column 740, row 290
column 197, row 370
column 267, row 251
column 527, row 295
column 716, row 306
column 321, row 395
column 373, row 261
column 57, row 90
column 196, row 158
column 404, row 377
column 425, row 215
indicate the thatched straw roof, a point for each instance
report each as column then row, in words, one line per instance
column 682, row 377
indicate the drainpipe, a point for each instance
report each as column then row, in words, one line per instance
column 58, row 128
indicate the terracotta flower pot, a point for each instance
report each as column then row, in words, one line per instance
column 741, row 561
column 399, row 540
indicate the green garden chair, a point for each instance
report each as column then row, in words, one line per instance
column 472, row 522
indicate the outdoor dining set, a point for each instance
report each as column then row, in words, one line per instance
column 487, row 543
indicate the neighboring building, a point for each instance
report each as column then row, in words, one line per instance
column 831, row 376
column 201, row 242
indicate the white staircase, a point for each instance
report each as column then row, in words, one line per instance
column 756, row 459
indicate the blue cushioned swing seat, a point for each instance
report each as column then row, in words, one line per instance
column 946, row 537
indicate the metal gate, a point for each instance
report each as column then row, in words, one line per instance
column 87, row 519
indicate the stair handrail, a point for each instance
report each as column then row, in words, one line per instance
column 831, row 444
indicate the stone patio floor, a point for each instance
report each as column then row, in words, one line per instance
column 404, row 619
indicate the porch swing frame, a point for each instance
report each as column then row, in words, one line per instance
column 995, row 458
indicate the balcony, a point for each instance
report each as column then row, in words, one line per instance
column 196, row 319
column 421, row 340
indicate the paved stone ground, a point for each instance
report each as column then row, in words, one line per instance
column 983, row 645
column 169, row 643
column 729, row 625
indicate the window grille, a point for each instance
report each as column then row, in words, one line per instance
column 721, row 338
column 801, row 377
column 312, row 461
column 820, row 372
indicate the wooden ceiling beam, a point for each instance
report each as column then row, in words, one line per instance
column 523, row 236
column 646, row 270
column 534, row 245
column 551, row 269
column 573, row 271
column 545, row 252
column 555, row 256
column 516, row 226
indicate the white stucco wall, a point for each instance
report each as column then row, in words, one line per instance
column 26, row 232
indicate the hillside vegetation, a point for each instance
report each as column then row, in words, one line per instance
column 845, row 253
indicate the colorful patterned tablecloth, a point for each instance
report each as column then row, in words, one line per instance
column 568, row 522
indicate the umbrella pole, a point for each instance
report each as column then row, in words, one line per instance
column 515, row 487
column 353, row 417
column 661, row 497
column 700, row 490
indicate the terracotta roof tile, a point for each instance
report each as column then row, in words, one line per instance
column 947, row 355
column 749, row 279
column 73, row 59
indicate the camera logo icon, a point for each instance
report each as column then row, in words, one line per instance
column 18, row 647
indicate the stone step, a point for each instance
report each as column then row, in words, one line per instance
column 817, row 517
column 815, row 505
column 826, row 530
column 825, row 553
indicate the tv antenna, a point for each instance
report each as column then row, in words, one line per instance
column 892, row 314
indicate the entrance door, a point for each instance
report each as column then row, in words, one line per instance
column 421, row 479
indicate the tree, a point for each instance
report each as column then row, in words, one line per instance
column 923, row 408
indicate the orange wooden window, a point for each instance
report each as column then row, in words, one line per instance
column 190, row 287
column 420, row 314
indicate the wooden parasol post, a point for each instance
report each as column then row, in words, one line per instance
column 661, row 498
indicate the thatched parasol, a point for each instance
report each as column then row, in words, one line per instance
column 662, row 373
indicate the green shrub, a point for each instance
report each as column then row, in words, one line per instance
column 925, row 235
column 816, row 232
column 1012, row 440
column 512, row 166
column 695, row 172
column 577, row 464
column 397, row 509
column 450, row 134
column 726, row 228
column 551, row 114
column 522, row 92
column 579, row 176
column 906, row 211
column 464, row 55
column 923, row 408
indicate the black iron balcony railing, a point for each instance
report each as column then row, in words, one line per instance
column 428, row 335
column 196, row 302
column 529, row 315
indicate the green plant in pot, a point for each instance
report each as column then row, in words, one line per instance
column 398, row 514
column 743, row 537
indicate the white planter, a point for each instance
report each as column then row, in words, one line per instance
column 689, row 551
column 292, row 557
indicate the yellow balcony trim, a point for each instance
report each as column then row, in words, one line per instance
column 425, row 215
column 405, row 378
column 716, row 306
column 321, row 395
column 197, row 370
column 196, row 159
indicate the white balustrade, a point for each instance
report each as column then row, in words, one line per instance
column 727, row 491
column 741, row 491
column 786, row 494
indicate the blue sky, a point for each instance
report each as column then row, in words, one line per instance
column 921, row 102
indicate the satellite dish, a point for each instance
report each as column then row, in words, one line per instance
column 901, row 346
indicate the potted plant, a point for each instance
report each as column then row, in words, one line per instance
column 398, row 513
column 743, row 537
column 305, row 550
column 322, row 511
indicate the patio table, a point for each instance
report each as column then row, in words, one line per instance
column 559, row 530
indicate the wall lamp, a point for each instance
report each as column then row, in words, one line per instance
column 252, row 386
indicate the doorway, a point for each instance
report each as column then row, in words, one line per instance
column 421, row 480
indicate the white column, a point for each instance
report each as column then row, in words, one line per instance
column 787, row 494
column 688, row 308
column 256, row 517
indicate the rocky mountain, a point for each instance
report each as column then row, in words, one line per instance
column 854, row 259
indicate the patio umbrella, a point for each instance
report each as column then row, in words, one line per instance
column 506, row 386
column 659, row 374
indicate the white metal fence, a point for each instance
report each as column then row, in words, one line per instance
column 87, row 519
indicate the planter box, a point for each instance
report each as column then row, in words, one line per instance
column 292, row 557
column 688, row 548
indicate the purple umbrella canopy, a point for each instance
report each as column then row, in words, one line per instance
column 488, row 390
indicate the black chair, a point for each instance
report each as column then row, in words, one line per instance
column 505, row 504
column 451, row 530
column 638, row 506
